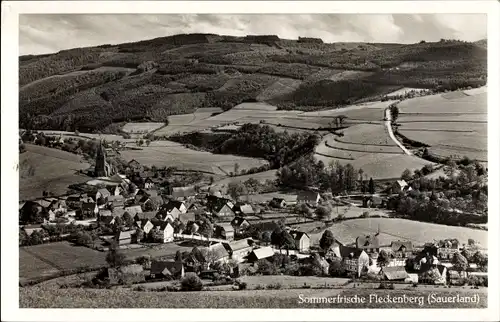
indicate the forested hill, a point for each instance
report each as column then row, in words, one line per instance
column 87, row 89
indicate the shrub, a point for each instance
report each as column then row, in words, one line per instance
column 386, row 286
column 242, row 286
column 191, row 282
column 275, row 286
column 259, row 287
column 365, row 214
column 265, row 267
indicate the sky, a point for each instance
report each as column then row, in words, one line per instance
column 48, row 33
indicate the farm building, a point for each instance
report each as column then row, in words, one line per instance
column 395, row 273
column 126, row 237
column 180, row 193
column 116, row 201
column 243, row 209
column 135, row 166
column 224, row 213
column 447, row 248
column 164, row 232
column 74, row 202
column 224, row 231
column 126, row 274
column 239, row 224
column 133, row 210
column 167, row 269
column 309, row 197
column 260, row 253
column 302, row 240
column 369, row 243
column 277, row 203
column 181, row 206
column 211, row 254
column 355, row 260
column 215, row 202
column 102, row 193
column 89, row 209
column 373, row 202
column 145, row 215
column 402, row 248
column 239, row 249
column 400, row 186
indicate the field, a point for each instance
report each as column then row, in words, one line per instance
column 141, row 127
column 370, row 149
column 42, row 168
column 189, row 122
column 260, row 176
column 452, row 124
column 393, row 229
column 39, row 261
column 34, row 297
column 89, row 136
column 171, row 154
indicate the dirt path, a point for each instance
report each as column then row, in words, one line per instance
column 388, row 119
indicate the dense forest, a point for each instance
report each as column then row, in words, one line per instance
column 255, row 140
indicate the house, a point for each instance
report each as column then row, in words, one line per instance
column 302, row 240
column 224, row 231
column 74, row 202
column 400, row 186
column 260, row 253
column 183, row 192
column 116, row 201
column 401, row 249
column 167, row 269
column 126, row 237
column 145, row 224
column 447, row 248
column 149, row 183
column 51, row 215
column 30, row 208
column 133, row 210
column 224, row 212
column 89, row 209
column 277, row 203
column 128, row 274
column 181, row 206
column 115, row 190
column 434, row 275
column 355, row 260
column 135, row 166
column 239, row 224
column 215, row 202
column 163, row 233
column 145, row 215
column 243, row 209
column 333, row 252
column 32, row 228
column 174, row 213
column 308, row 197
column 58, row 206
column 373, row 202
column 369, row 243
column 118, row 212
column 105, row 216
column 102, row 193
column 153, row 202
column 212, row 254
column 395, row 273
column 239, row 249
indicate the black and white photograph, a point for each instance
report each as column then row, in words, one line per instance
column 326, row 160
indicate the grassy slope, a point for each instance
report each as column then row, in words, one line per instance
column 54, row 170
column 152, row 79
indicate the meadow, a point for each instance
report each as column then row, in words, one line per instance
column 452, row 124
column 40, row 261
column 392, row 229
column 171, row 154
column 143, row 127
column 45, row 169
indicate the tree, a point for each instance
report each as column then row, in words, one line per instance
column 148, row 142
column 459, row 262
column 326, row 240
column 23, row 238
column 178, row 256
column 336, row 269
column 480, row 259
column 191, row 282
column 406, row 175
column 265, row 267
column 236, row 168
column 139, row 234
column 236, row 189
column 471, row 242
column 322, row 213
column 371, row 186
column 266, row 236
column 115, row 257
column 383, row 258
column 151, row 205
column 128, row 219
column 83, row 238
column 276, row 237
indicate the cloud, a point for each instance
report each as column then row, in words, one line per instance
column 48, row 33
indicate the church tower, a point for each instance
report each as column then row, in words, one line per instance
column 101, row 166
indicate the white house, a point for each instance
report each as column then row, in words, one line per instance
column 308, row 197
column 164, row 232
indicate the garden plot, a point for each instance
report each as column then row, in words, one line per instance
column 171, row 154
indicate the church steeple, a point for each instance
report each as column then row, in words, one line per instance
column 101, row 167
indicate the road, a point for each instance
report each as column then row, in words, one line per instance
column 387, row 121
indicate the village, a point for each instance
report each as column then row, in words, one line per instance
column 205, row 234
